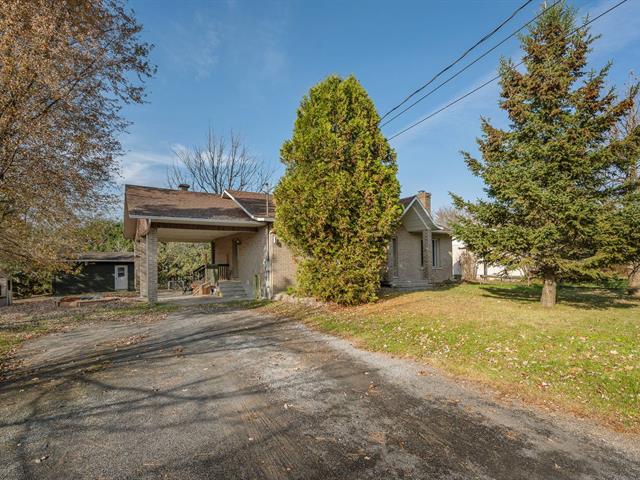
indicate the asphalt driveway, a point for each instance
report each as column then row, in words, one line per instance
column 237, row 394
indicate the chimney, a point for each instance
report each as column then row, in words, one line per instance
column 425, row 199
column 184, row 187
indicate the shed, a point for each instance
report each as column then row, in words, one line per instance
column 6, row 290
column 97, row 272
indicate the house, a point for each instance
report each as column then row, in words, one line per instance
column 244, row 247
column 420, row 251
column 97, row 272
column 483, row 269
column 6, row 290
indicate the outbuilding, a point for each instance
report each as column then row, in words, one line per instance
column 97, row 272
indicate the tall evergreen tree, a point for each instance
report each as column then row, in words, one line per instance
column 337, row 203
column 550, row 200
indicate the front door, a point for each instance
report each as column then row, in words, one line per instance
column 122, row 277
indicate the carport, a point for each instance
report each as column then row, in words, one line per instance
column 153, row 215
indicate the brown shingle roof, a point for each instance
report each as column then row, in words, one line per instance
column 255, row 203
column 180, row 204
column 406, row 201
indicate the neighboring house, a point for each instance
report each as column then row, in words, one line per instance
column 97, row 272
column 483, row 269
column 239, row 226
column 6, row 290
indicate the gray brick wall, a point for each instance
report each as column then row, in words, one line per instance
column 445, row 271
column 283, row 265
column 150, row 267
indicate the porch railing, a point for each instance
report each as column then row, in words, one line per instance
column 224, row 271
column 212, row 272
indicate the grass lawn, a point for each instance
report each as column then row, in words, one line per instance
column 582, row 356
column 26, row 320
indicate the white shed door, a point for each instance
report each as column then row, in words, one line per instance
column 122, row 277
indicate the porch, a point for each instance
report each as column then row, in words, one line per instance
column 235, row 224
column 234, row 253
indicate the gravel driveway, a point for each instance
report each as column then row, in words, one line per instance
column 237, row 394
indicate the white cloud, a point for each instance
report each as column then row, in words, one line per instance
column 619, row 28
column 145, row 168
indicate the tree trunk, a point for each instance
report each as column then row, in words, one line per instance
column 634, row 283
column 548, row 298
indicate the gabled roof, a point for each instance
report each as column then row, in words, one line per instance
column 149, row 202
column 413, row 201
column 406, row 201
column 164, row 204
column 259, row 206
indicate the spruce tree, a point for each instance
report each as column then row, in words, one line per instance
column 338, row 201
column 549, row 196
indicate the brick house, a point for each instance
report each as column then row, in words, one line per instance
column 244, row 247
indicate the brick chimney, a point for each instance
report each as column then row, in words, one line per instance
column 425, row 199
column 184, row 187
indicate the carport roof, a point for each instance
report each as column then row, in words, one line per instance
column 185, row 207
column 149, row 202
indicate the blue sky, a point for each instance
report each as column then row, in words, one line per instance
column 245, row 65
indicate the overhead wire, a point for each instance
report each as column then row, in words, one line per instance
column 464, row 54
column 493, row 79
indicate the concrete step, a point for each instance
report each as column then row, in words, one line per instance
column 233, row 289
column 412, row 285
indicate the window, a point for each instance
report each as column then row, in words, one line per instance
column 394, row 255
column 422, row 252
column 435, row 249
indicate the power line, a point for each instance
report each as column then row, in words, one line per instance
column 469, row 65
column 482, row 40
column 413, row 125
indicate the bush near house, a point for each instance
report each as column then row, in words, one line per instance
column 583, row 356
column 338, row 201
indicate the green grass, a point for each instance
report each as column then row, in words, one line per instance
column 583, row 355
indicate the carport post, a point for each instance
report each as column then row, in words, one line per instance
column 151, row 264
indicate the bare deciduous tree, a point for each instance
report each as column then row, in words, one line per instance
column 223, row 163
column 447, row 215
column 66, row 68
column 468, row 266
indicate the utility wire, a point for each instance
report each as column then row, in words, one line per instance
column 450, row 104
column 469, row 65
column 482, row 40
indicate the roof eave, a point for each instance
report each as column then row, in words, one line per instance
column 197, row 221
